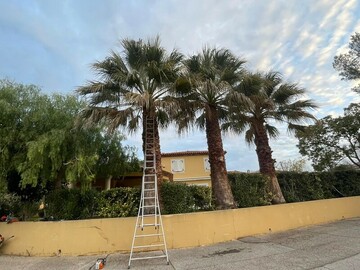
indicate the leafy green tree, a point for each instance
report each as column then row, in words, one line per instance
column 20, row 110
column 114, row 159
column 59, row 151
column 209, row 77
column 133, row 87
column 348, row 64
column 259, row 100
column 40, row 142
column 333, row 140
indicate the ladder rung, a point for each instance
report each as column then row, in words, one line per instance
column 151, row 174
column 148, row 206
column 149, row 224
column 148, row 235
column 146, row 258
column 148, row 198
column 149, row 189
column 150, row 215
column 147, row 246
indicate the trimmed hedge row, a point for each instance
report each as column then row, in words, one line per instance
column 180, row 198
column 72, row 204
column 76, row 204
column 306, row 186
column 248, row 190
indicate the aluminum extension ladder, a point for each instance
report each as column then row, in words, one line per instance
column 149, row 232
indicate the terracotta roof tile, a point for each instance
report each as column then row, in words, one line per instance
column 185, row 153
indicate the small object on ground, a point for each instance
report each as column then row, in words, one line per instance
column 100, row 263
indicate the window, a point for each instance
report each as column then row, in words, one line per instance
column 201, row 185
column 206, row 164
column 177, row 165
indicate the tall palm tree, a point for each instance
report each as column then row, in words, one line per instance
column 132, row 87
column 209, row 77
column 258, row 100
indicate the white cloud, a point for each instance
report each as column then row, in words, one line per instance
column 52, row 44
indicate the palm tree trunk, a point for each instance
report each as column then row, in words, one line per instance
column 150, row 114
column 266, row 164
column 220, row 184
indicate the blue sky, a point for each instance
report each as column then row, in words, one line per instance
column 52, row 44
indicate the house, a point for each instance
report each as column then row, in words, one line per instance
column 189, row 167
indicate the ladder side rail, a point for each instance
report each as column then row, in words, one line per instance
column 163, row 232
column 142, row 199
column 134, row 236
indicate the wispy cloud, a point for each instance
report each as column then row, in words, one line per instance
column 53, row 43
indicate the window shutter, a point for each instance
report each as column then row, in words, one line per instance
column 177, row 165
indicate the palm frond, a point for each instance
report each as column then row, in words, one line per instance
column 264, row 96
column 272, row 131
column 139, row 78
column 162, row 118
column 250, row 135
column 286, row 93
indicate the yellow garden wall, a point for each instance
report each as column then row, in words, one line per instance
column 183, row 230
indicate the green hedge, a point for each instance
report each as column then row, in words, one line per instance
column 71, row 204
column 180, row 198
column 347, row 183
column 123, row 202
column 77, row 204
column 306, row 186
column 119, row 202
column 298, row 187
column 248, row 189
column 9, row 203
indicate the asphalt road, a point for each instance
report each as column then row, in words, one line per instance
column 322, row 247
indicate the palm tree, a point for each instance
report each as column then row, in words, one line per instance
column 133, row 87
column 209, row 77
column 258, row 100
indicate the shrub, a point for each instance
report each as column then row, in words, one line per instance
column 9, row 203
column 202, row 199
column 307, row 186
column 347, row 183
column 72, row 204
column 175, row 198
column 249, row 189
column 119, row 202
column 28, row 210
column 180, row 198
column 298, row 187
